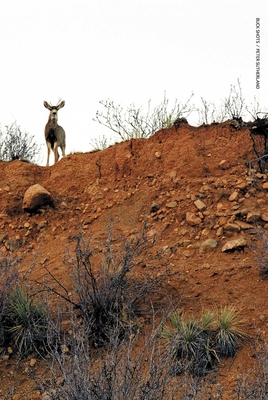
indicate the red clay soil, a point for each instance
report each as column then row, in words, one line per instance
column 116, row 187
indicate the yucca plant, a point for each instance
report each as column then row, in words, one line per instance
column 208, row 320
column 26, row 322
column 197, row 344
column 190, row 343
column 230, row 331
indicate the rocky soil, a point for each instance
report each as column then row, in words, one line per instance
column 205, row 212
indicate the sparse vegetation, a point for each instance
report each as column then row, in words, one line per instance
column 99, row 143
column 26, row 323
column 18, row 145
column 108, row 299
column 234, row 104
column 262, row 254
column 253, row 384
column 196, row 345
column 230, row 331
column 136, row 123
column 9, row 278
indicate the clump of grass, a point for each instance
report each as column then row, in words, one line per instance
column 190, row 342
column 197, row 344
column 230, row 331
column 26, row 323
column 8, row 280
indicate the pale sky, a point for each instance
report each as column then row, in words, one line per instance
column 85, row 51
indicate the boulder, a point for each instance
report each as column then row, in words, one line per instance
column 36, row 197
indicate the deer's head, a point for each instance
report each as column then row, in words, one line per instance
column 54, row 109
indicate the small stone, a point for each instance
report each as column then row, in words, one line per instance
column 172, row 204
column 265, row 186
column 219, row 232
column 155, row 207
column 231, row 226
column 157, row 154
column 222, row 221
column 242, row 185
column 244, row 225
column 32, row 362
column 253, row 216
column 234, row 196
column 220, row 207
column 235, row 244
column 193, row 219
column 200, row 205
column 224, row 164
column 208, row 245
column 264, row 217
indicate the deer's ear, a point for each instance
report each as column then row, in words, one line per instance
column 47, row 105
column 62, row 104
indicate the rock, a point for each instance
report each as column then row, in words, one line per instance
column 261, row 176
column 244, row 225
column 224, row 164
column 157, row 154
column 220, row 207
column 172, row 204
column 36, row 197
column 265, row 186
column 208, row 245
column 155, row 206
column 231, row 226
column 193, row 219
column 32, row 362
column 13, row 244
column 200, row 205
column 219, row 232
column 264, row 217
column 253, row 216
column 242, row 185
column 235, row 244
column 233, row 196
column 222, row 221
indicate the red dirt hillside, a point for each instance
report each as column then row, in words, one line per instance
column 158, row 179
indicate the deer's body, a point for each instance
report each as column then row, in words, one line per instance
column 54, row 134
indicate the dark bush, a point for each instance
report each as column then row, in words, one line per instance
column 107, row 295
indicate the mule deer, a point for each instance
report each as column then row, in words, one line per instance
column 54, row 134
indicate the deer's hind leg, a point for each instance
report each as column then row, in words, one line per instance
column 63, row 150
column 56, row 153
